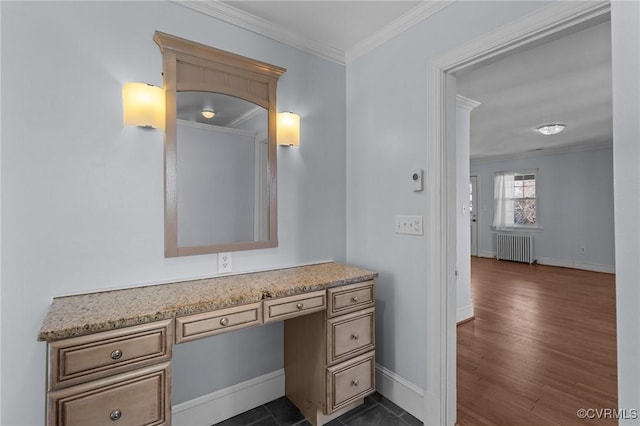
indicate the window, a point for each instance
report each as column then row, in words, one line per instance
column 515, row 199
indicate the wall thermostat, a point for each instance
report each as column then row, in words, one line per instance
column 416, row 177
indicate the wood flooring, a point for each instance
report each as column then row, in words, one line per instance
column 541, row 347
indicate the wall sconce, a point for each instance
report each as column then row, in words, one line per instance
column 288, row 129
column 143, row 105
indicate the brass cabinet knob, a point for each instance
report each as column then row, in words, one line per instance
column 117, row 354
column 115, row 415
column 355, row 382
column 355, row 336
column 299, row 306
column 224, row 322
column 354, row 299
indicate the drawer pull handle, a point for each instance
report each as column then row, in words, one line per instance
column 355, row 336
column 224, row 322
column 354, row 299
column 117, row 354
column 355, row 382
column 299, row 306
column 115, row 415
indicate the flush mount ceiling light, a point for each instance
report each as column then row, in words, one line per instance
column 208, row 113
column 551, row 129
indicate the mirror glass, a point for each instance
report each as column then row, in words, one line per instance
column 222, row 170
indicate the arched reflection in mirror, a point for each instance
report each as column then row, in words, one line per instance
column 222, row 174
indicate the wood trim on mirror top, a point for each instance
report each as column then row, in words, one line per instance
column 204, row 68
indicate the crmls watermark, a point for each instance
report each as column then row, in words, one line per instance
column 607, row 413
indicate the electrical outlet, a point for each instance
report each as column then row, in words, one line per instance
column 224, row 262
column 410, row 225
column 582, row 250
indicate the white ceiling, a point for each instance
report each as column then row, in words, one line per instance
column 567, row 81
column 338, row 30
column 338, row 24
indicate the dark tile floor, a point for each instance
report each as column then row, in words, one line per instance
column 376, row 410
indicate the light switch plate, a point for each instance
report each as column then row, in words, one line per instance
column 225, row 263
column 410, row 225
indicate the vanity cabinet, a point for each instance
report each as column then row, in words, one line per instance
column 197, row 326
column 294, row 306
column 109, row 354
column 329, row 356
column 118, row 376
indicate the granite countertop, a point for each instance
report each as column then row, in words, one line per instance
column 95, row 312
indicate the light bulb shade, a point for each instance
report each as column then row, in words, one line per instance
column 551, row 129
column 143, row 105
column 288, row 129
column 208, row 113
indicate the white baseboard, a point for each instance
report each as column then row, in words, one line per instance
column 489, row 254
column 566, row 263
column 464, row 313
column 401, row 392
column 225, row 403
column 422, row 404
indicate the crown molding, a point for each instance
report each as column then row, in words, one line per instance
column 249, row 22
column 535, row 26
column 245, row 117
column 257, row 25
column 403, row 23
column 466, row 103
column 564, row 149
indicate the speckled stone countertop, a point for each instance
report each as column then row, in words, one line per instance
column 95, row 312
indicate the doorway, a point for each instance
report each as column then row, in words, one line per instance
column 549, row 21
column 508, row 114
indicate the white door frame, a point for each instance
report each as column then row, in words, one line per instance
column 476, row 211
column 440, row 229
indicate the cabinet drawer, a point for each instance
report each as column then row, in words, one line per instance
column 131, row 399
column 293, row 306
column 84, row 358
column 350, row 298
column 349, row 381
column 350, row 335
column 216, row 322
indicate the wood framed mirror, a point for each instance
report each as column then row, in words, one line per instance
column 220, row 149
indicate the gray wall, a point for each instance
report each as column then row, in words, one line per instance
column 82, row 197
column 575, row 206
column 216, row 188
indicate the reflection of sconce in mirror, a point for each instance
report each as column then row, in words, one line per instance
column 288, row 129
column 143, row 105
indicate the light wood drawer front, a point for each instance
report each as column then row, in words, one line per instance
column 350, row 335
column 85, row 358
column 350, row 298
column 131, row 399
column 206, row 324
column 349, row 381
column 293, row 306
